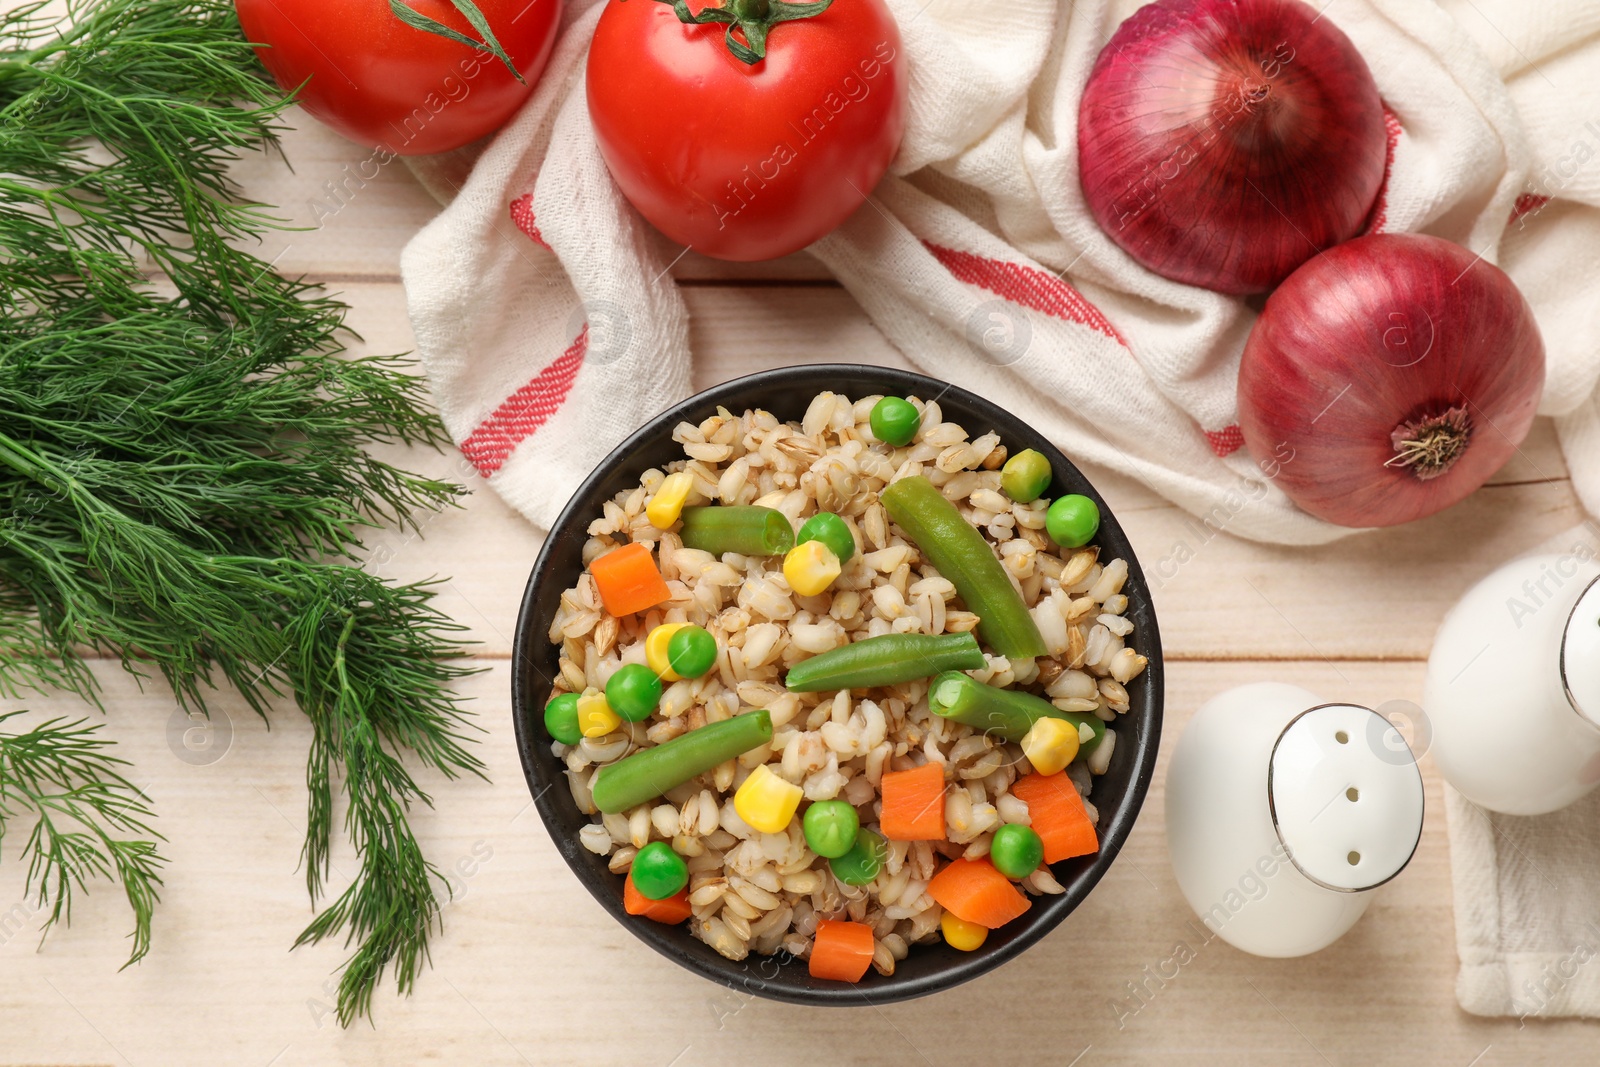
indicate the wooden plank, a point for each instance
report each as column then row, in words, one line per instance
column 1377, row 595
column 735, row 330
column 352, row 215
column 531, row 970
column 1372, row 595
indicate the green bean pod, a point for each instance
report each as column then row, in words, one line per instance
column 650, row 772
column 885, row 660
column 1004, row 713
column 744, row 528
column 958, row 550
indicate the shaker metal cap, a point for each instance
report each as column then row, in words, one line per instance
column 1346, row 797
column 1580, row 654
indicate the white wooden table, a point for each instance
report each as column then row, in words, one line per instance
column 530, row 970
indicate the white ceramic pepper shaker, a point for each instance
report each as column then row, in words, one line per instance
column 1513, row 690
column 1284, row 812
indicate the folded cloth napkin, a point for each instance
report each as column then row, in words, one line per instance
column 550, row 326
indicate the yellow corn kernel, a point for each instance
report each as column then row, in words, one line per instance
column 810, row 567
column 766, row 802
column 665, row 507
column 595, row 717
column 1051, row 744
column 655, row 650
column 960, row 934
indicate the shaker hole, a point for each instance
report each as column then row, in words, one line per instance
column 1354, row 858
column 1342, row 737
column 1352, row 793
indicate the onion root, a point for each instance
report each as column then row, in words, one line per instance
column 1429, row 446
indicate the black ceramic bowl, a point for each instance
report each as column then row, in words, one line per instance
column 928, row 968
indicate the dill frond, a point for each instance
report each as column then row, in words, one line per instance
column 89, row 821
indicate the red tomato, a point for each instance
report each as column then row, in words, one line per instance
column 382, row 83
column 747, row 161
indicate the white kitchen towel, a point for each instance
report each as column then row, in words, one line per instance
column 1527, row 914
column 1526, row 909
column 550, row 326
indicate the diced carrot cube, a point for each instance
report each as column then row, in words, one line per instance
column 628, row 580
column 913, row 804
column 1057, row 814
column 974, row 891
column 841, row 951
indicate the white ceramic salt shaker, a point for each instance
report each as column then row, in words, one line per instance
column 1513, row 689
column 1284, row 812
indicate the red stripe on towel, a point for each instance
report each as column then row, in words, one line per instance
column 1526, row 204
column 1028, row 287
column 524, row 411
column 522, row 215
column 1226, row 441
column 1380, row 209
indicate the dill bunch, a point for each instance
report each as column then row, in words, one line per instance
column 184, row 474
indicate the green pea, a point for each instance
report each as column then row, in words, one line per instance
column 1016, row 850
column 832, row 531
column 1072, row 521
column 831, row 827
column 691, row 652
column 659, row 872
column 861, row 864
column 561, row 719
column 895, row 421
column 633, row 692
column 1026, row 476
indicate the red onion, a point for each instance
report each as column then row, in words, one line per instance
column 1223, row 143
column 1388, row 378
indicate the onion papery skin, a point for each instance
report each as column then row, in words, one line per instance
column 1223, row 143
column 1378, row 334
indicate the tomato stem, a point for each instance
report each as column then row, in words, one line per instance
column 753, row 18
column 469, row 10
column 1430, row 445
